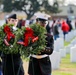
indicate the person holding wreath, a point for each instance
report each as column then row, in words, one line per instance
column 11, row 63
column 39, row 64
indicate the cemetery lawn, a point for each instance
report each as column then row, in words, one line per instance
column 66, row 67
column 66, row 43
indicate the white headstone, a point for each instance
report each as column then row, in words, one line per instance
column 73, row 54
column 67, row 39
column 68, row 48
column 73, row 42
column 55, row 60
column 58, row 44
column 55, row 45
column 62, row 53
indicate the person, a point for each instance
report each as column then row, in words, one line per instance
column 69, row 23
column 65, row 28
column 55, row 30
column 12, row 63
column 21, row 23
column 54, row 20
column 40, row 64
column 48, row 28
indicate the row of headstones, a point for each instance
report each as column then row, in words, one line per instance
column 70, row 35
column 71, row 49
column 57, row 55
column 58, row 44
column 56, row 58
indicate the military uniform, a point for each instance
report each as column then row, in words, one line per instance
column 12, row 63
column 40, row 64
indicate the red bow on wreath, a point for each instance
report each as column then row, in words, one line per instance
column 29, row 34
column 9, row 35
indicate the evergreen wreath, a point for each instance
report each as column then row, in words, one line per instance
column 28, row 40
column 8, row 41
column 39, row 40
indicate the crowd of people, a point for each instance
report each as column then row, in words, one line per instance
column 64, row 24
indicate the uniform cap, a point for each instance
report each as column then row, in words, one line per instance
column 12, row 16
column 41, row 16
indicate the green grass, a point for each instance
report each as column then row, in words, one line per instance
column 65, row 62
column 66, row 43
column 61, row 73
column 66, row 67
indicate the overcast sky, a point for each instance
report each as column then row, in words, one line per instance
column 66, row 2
column 70, row 1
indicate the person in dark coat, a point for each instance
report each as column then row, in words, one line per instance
column 41, row 64
column 21, row 23
column 12, row 63
column 55, row 31
column 69, row 23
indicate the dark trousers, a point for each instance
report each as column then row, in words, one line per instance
column 65, row 34
column 56, row 36
column 39, row 66
column 12, row 66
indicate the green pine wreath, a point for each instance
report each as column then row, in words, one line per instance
column 36, row 47
column 25, row 51
column 14, row 47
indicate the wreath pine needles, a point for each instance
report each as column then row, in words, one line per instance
column 13, row 48
column 36, row 47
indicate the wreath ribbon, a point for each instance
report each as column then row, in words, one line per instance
column 29, row 34
column 9, row 35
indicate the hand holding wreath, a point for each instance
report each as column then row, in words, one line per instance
column 8, row 40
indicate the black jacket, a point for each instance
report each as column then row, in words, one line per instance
column 42, row 66
column 12, row 64
column 55, row 30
